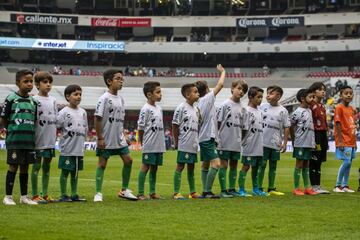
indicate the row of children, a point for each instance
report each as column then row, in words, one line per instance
column 260, row 130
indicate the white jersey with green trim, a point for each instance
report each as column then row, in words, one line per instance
column 151, row 122
column 275, row 119
column 230, row 115
column 187, row 118
column 45, row 133
column 208, row 126
column 112, row 111
column 252, row 143
column 74, row 127
column 302, row 119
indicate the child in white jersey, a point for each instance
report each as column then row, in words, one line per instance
column 109, row 125
column 230, row 117
column 185, row 126
column 151, row 137
column 303, row 137
column 72, row 122
column 208, row 134
column 252, row 143
column 276, row 127
column 45, row 136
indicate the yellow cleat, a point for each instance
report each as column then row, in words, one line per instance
column 276, row 193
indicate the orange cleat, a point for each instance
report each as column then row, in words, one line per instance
column 310, row 191
column 298, row 192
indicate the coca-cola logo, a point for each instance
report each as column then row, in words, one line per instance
column 20, row 18
column 104, row 22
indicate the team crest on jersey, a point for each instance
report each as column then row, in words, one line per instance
column 347, row 154
column 300, row 153
column 187, row 156
column 220, row 152
column 146, row 157
column 67, row 162
column 248, row 158
column 13, row 155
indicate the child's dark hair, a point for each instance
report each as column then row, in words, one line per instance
column 201, row 86
column 275, row 88
column 186, row 88
column 109, row 75
column 70, row 89
column 302, row 93
column 317, row 86
column 240, row 82
column 22, row 73
column 253, row 91
column 42, row 76
column 149, row 87
column 345, row 87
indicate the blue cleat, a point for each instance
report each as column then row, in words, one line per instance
column 258, row 192
column 243, row 193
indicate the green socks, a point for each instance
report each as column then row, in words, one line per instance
column 141, row 182
column 210, row 179
column 254, row 176
column 232, row 177
column 272, row 174
column 261, row 173
column 222, row 178
column 45, row 178
column 74, row 181
column 152, row 181
column 63, row 181
column 177, row 181
column 99, row 177
column 242, row 177
column 305, row 174
column 204, row 174
column 191, row 180
column 34, row 178
column 126, row 172
column 297, row 174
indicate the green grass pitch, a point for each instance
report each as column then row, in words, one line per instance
column 334, row 216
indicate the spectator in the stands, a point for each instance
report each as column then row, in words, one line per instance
column 78, row 71
column 127, row 71
column 55, row 69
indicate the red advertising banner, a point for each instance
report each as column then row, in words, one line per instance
column 121, row 22
column 104, row 22
column 135, row 22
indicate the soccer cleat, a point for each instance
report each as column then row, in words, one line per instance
column 210, row 195
column 155, row 196
column 26, row 200
column 233, row 192
column 274, row 192
column 8, row 200
column 98, row 197
column 65, row 198
column 178, row 196
column 49, row 199
column 310, row 191
column 194, row 195
column 141, row 197
column 225, row 194
column 127, row 194
column 338, row 189
column 258, row 192
column 77, row 198
column 347, row 189
column 298, row 192
column 243, row 193
column 39, row 199
column 320, row 190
